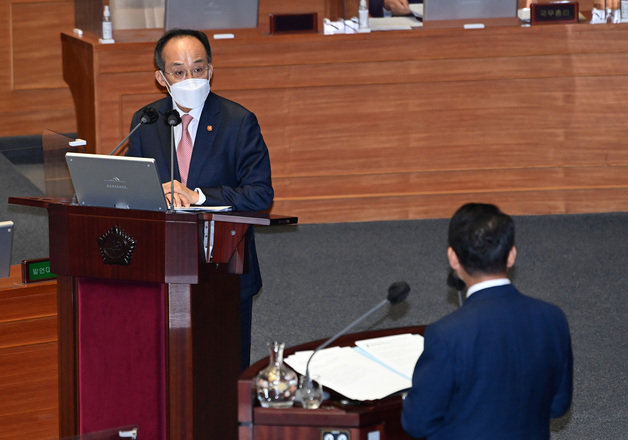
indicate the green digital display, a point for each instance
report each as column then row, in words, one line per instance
column 37, row 270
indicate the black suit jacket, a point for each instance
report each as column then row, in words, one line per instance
column 230, row 163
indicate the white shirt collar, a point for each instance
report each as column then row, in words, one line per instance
column 195, row 112
column 486, row 284
column 192, row 128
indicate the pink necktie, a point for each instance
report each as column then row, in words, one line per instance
column 184, row 150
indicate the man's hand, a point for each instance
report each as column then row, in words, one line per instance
column 397, row 7
column 183, row 196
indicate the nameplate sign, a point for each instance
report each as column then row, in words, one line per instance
column 293, row 23
column 554, row 12
column 36, row 270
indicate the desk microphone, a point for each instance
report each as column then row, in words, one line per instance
column 453, row 280
column 397, row 292
column 172, row 118
column 148, row 116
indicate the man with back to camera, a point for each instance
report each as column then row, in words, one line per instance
column 221, row 156
column 500, row 366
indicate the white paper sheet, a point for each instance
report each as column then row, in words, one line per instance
column 398, row 352
column 393, row 23
column 202, row 208
column 364, row 372
column 416, row 9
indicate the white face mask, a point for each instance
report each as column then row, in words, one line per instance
column 189, row 93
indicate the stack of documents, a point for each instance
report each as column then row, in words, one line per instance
column 373, row 369
column 203, row 208
column 399, row 23
column 393, row 23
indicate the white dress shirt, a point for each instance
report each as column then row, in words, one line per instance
column 192, row 129
column 486, row 285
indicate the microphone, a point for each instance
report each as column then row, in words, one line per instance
column 148, row 116
column 172, row 118
column 397, row 292
column 454, row 281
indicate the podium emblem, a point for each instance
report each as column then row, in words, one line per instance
column 116, row 246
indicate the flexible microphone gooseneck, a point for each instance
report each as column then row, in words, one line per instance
column 397, row 292
column 148, row 116
column 172, row 118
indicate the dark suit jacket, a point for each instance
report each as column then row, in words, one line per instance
column 497, row 368
column 230, row 163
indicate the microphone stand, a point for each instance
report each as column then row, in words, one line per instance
column 115, row 150
column 342, row 332
column 171, row 168
column 311, row 396
column 172, row 119
column 149, row 115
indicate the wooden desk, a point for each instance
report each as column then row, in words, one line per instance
column 402, row 125
column 28, row 358
column 381, row 416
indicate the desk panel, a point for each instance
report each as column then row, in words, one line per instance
column 28, row 358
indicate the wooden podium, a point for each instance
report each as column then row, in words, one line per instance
column 377, row 420
column 148, row 318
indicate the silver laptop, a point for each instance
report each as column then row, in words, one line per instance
column 214, row 14
column 474, row 10
column 116, row 181
column 6, row 243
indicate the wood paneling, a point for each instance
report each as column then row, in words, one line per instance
column 355, row 119
column 403, row 125
column 28, row 359
column 29, row 389
column 35, row 41
column 410, row 206
column 33, row 95
column 31, row 81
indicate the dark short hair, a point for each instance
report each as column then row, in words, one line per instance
column 482, row 237
column 178, row 33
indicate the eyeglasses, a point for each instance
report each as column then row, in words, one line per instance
column 194, row 72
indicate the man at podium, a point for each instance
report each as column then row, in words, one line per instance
column 501, row 365
column 221, row 157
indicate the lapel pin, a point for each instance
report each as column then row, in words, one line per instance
column 210, row 128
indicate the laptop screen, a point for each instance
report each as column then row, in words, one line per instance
column 215, row 14
column 116, row 181
column 468, row 9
